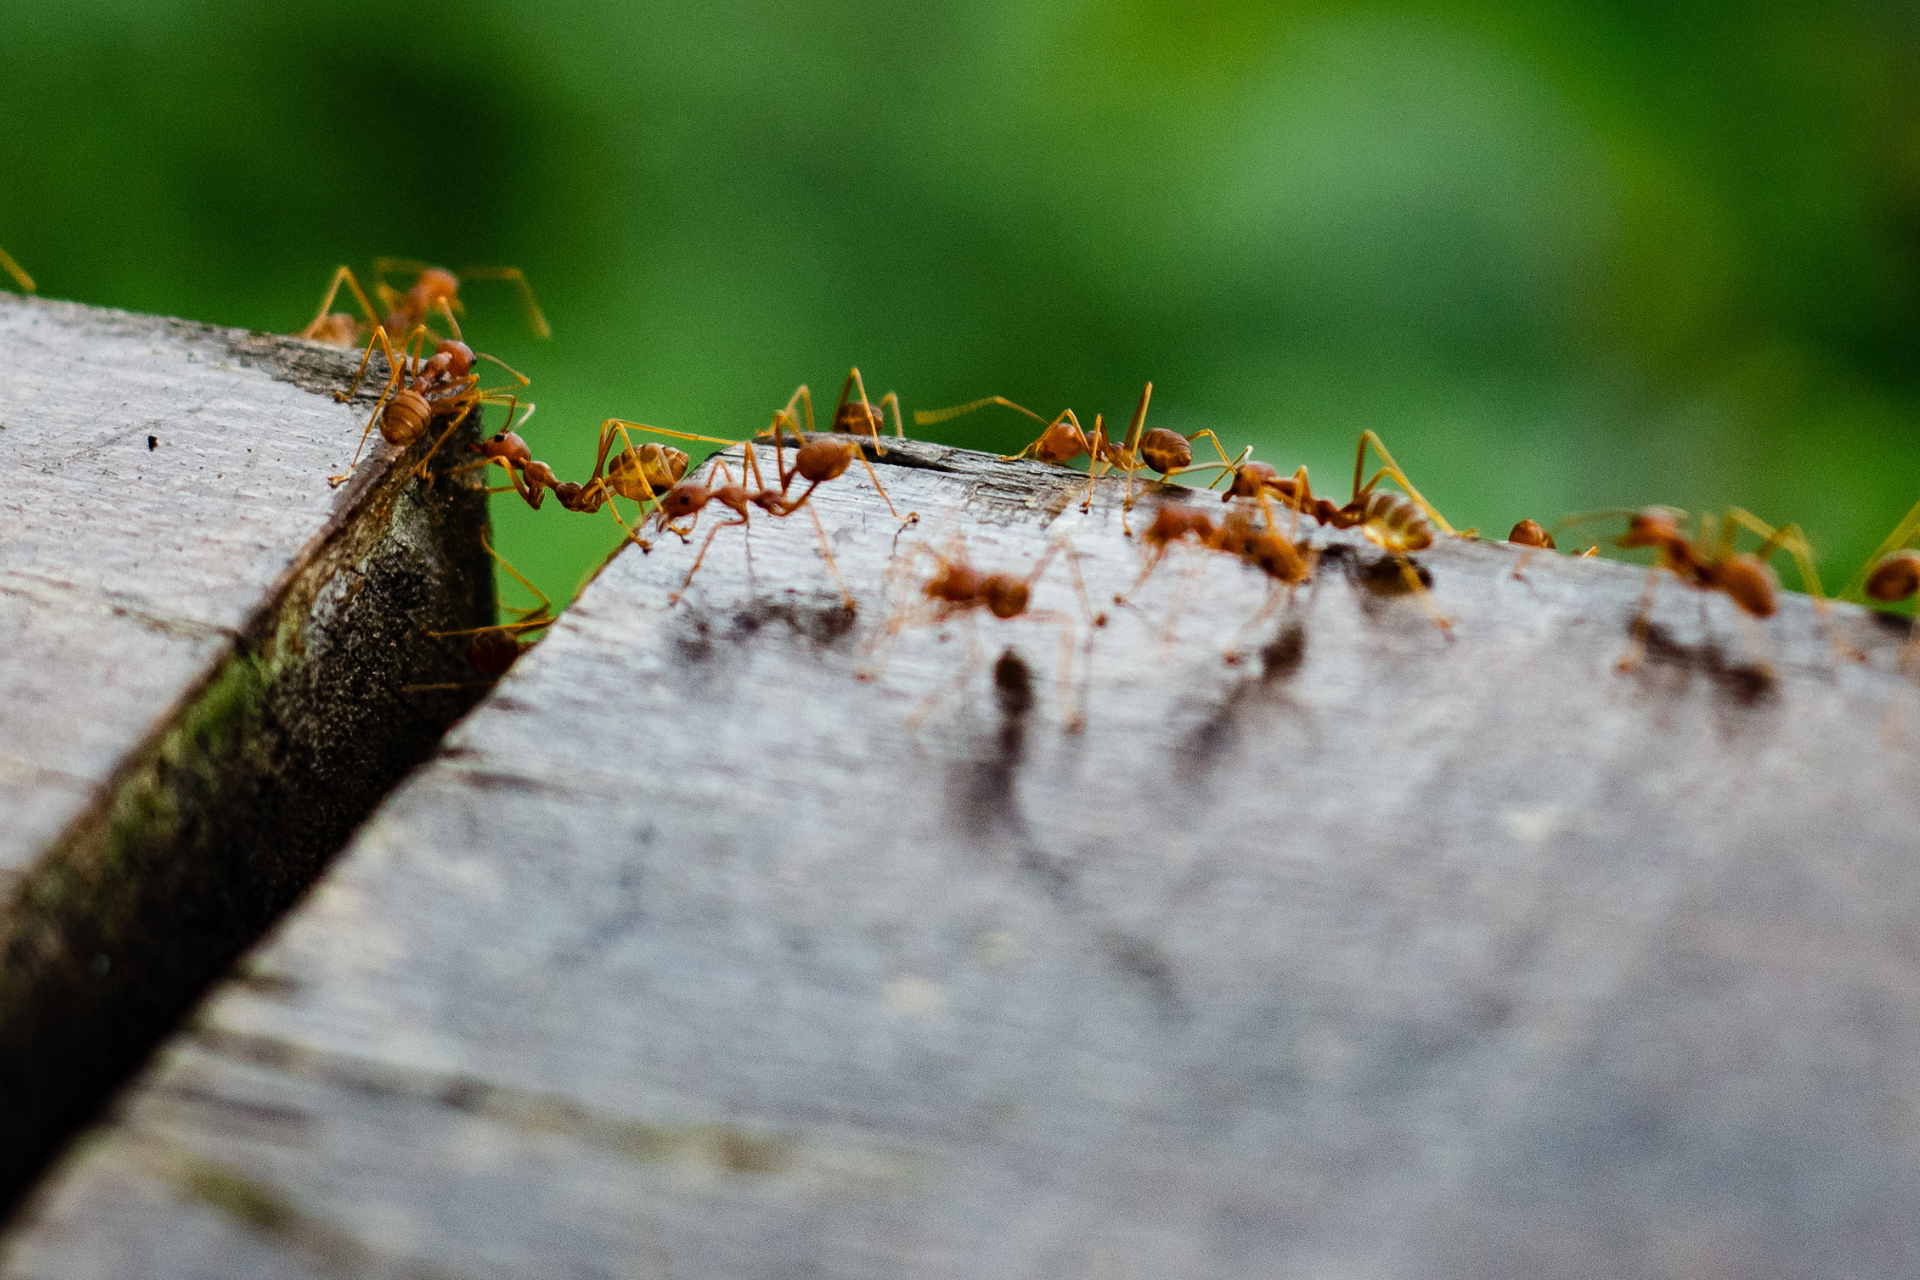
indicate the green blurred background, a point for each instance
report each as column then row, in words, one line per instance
column 1587, row 254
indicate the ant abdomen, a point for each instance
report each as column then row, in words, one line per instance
column 405, row 417
column 1750, row 583
column 1165, row 451
column 1895, row 578
column 492, row 653
column 1528, row 533
column 1394, row 522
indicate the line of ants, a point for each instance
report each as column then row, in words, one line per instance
column 1260, row 527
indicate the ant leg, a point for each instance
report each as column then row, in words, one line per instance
column 800, row 396
column 1642, row 623
column 976, row 658
column 711, row 535
column 853, row 606
column 1231, row 654
column 535, row 321
column 1902, row 533
column 523, row 379
column 928, row 417
column 912, row 517
column 1424, row 596
column 393, row 378
column 873, row 428
column 1795, row 542
column 1391, row 468
column 25, row 281
column 892, row 401
column 1240, row 459
column 341, row 275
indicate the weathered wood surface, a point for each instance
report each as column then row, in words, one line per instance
column 1372, row 956
column 202, row 655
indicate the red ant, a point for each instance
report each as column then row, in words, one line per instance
column 855, row 416
column 13, row 269
column 817, row 460
column 418, row 392
column 1063, row 440
column 956, row 588
column 433, row 289
column 1277, row 555
column 1397, row 523
column 1708, row 562
column 643, row 474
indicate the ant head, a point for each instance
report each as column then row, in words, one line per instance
column 491, row 653
column 459, row 356
column 1652, row 527
column 1006, row 596
column 1896, row 577
column 1165, row 450
column 1250, row 478
column 1750, row 582
column 1528, row 533
column 821, row 460
column 683, row 499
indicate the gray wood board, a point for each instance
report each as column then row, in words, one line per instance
column 1372, row 955
column 203, row 650
column 124, row 569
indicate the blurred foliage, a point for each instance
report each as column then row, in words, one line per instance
column 1598, row 253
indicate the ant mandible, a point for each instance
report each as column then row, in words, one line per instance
column 433, row 289
column 12, row 268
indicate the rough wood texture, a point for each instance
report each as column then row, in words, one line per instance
column 202, row 656
column 1372, row 956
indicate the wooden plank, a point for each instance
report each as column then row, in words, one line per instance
column 1373, row 954
column 202, row 656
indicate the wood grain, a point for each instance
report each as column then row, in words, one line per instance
column 1372, row 954
column 203, row 652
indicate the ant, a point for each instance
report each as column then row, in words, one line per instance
column 1284, row 560
column 12, row 268
column 1708, row 562
column 858, row 417
column 1063, row 440
column 1529, row 533
column 493, row 650
column 433, row 289
column 1892, row 573
column 418, row 392
column 640, row 474
column 957, row 589
column 1398, row 523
